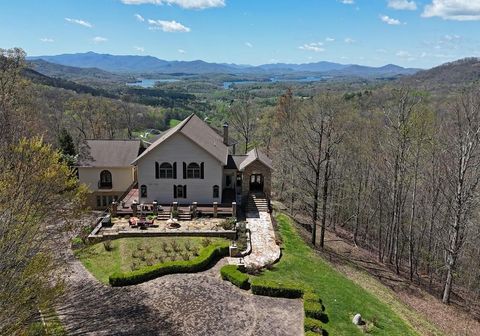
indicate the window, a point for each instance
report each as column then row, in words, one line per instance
column 99, row 201
column 179, row 191
column 166, row 171
column 228, row 181
column 105, row 179
column 104, row 201
column 193, row 171
column 143, row 191
column 216, row 191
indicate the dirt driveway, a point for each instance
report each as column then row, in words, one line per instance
column 179, row 304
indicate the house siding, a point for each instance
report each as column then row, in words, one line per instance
column 178, row 148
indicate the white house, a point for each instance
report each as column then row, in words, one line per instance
column 191, row 163
column 105, row 167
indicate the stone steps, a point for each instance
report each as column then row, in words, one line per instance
column 257, row 202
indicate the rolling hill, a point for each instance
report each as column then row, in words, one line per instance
column 150, row 64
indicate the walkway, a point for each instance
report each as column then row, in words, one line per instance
column 265, row 250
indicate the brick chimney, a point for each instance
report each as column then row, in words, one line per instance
column 225, row 133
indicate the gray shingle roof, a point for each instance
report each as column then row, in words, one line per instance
column 199, row 132
column 108, row 153
column 254, row 155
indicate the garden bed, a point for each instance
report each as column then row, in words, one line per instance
column 131, row 254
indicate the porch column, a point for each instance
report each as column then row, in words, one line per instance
column 113, row 209
column 234, row 209
column 194, row 209
column 155, row 208
column 134, row 208
column 215, row 209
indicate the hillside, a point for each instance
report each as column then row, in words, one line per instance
column 150, row 64
column 448, row 75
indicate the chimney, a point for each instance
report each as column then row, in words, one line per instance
column 225, row 133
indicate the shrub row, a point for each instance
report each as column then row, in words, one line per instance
column 276, row 289
column 205, row 258
column 232, row 274
column 313, row 308
column 312, row 325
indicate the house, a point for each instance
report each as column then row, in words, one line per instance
column 191, row 162
column 105, row 167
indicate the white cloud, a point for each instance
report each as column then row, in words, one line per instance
column 181, row 51
column 168, row 26
column 140, row 49
column 329, row 39
column 314, row 46
column 248, row 44
column 79, row 22
column 47, row 40
column 99, row 39
column 382, row 51
column 405, row 55
column 188, row 4
column 347, row 2
column 349, row 40
column 402, row 4
column 388, row 20
column 139, row 17
column 459, row 10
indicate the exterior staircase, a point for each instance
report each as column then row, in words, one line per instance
column 257, row 203
column 163, row 215
column 184, row 216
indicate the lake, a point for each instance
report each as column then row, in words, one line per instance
column 228, row 85
column 150, row 83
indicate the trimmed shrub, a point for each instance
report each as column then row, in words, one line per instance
column 276, row 289
column 204, row 260
column 314, row 325
column 312, row 333
column 313, row 309
column 311, row 296
column 232, row 274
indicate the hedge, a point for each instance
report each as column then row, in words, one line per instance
column 313, row 309
column 312, row 325
column 312, row 333
column 232, row 274
column 205, row 258
column 311, row 296
column 276, row 289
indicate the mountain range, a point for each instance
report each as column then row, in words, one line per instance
column 149, row 64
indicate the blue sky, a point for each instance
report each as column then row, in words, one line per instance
column 413, row 33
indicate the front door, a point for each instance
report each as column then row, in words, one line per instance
column 256, row 182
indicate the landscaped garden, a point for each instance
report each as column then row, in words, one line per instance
column 126, row 255
column 302, row 273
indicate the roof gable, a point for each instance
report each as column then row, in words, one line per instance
column 253, row 156
column 197, row 131
column 108, row 153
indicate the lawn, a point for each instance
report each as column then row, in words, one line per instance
column 129, row 254
column 341, row 297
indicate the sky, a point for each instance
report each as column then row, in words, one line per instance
column 410, row 33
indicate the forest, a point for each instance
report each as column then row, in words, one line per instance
column 392, row 166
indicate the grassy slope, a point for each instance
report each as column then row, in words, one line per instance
column 102, row 263
column 341, row 297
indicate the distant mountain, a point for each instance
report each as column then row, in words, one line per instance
column 458, row 73
column 87, row 75
column 150, row 64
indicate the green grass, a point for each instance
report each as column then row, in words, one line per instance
column 102, row 263
column 173, row 122
column 342, row 297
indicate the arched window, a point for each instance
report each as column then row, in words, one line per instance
column 143, row 191
column 193, row 171
column 105, row 179
column 216, row 191
column 166, row 171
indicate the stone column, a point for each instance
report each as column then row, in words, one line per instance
column 215, row 209
column 234, row 209
column 155, row 208
column 175, row 208
column 113, row 209
column 134, row 208
column 194, row 209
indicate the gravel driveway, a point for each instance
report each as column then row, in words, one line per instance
column 178, row 304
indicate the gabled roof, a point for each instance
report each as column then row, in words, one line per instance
column 253, row 156
column 108, row 153
column 200, row 133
